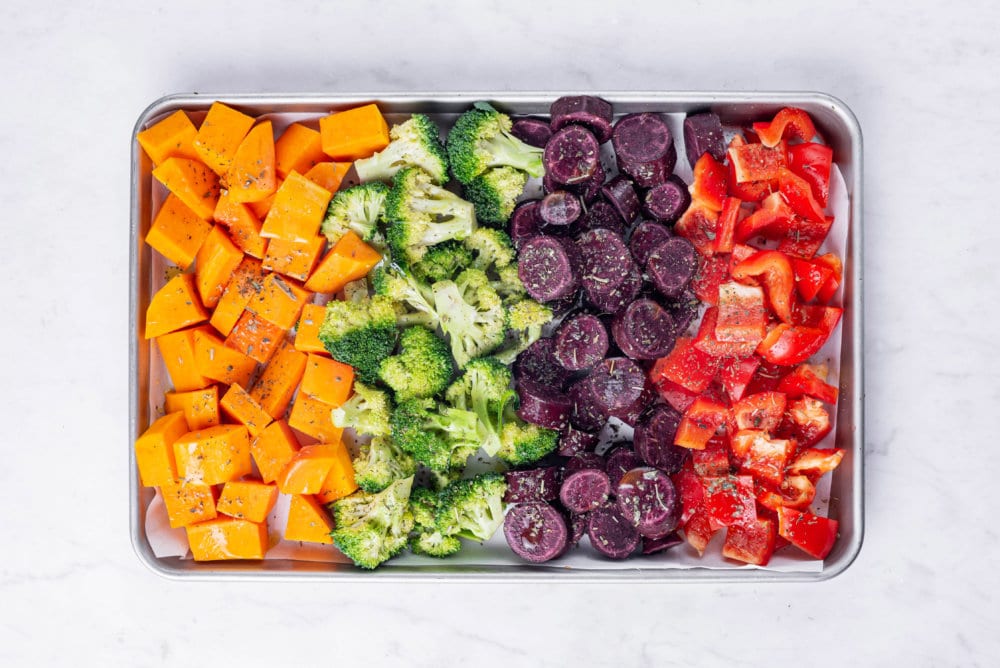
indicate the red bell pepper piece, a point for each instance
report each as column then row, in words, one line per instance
column 767, row 377
column 753, row 191
column 805, row 381
column 821, row 317
column 771, row 221
column 810, row 421
column 814, row 463
column 795, row 491
column 763, row 410
column 751, row 543
column 742, row 317
column 729, row 499
column 799, row 196
column 775, row 271
column 813, row 163
column 829, row 288
column 804, row 237
column 810, row 277
column 698, row 531
column 810, row 533
column 788, row 345
column 756, row 162
column 735, row 375
column 727, row 225
column 767, row 458
column 740, row 253
column 701, row 421
column 712, row 271
column 700, row 226
column 707, row 342
column 709, row 182
column 675, row 395
column 713, row 460
column 692, row 493
column 687, row 366
column 789, row 123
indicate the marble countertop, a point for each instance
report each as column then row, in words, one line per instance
column 921, row 78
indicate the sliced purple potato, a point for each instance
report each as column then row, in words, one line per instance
column 525, row 222
column 645, row 238
column 620, row 193
column 535, row 531
column 573, row 441
column 611, row 534
column 538, row 365
column 600, row 214
column 586, row 415
column 532, row 131
column 560, row 210
column 654, row 439
column 620, row 461
column 543, row 405
column 644, row 330
column 584, row 490
column 548, row 268
column 540, row 484
column 672, row 265
column 583, row 460
column 667, row 201
column 616, row 383
column 571, row 155
column 648, row 499
column 580, row 343
column 592, row 112
column 654, row 545
column 703, row 134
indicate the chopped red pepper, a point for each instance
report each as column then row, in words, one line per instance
column 698, row 531
column 799, row 196
column 729, row 499
column 795, row 491
column 675, row 395
column 788, row 345
column 810, row 277
column 775, row 271
column 804, row 237
column 687, row 366
column 707, row 342
column 713, row 460
column 813, row 163
column 763, row 410
column 752, row 542
column 772, row 221
column 815, row 462
column 742, row 317
column 699, row 225
column 735, row 375
column 821, row 317
column 701, row 421
column 810, row 533
column 753, row 191
column 767, row 458
column 727, row 225
column 829, row 288
column 789, row 123
column 712, row 271
column 756, row 162
column 805, row 381
column 740, row 253
column 692, row 493
column 810, row 421
column 767, row 378
column 709, row 183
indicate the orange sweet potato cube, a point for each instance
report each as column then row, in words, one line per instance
column 307, row 331
column 220, row 136
column 172, row 137
column 276, row 384
column 200, row 407
column 218, row 258
column 247, row 500
column 243, row 226
column 213, row 455
column 308, row 521
column 255, row 337
column 243, row 408
column 177, row 350
column 279, row 301
column 297, row 211
column 246, row 281
column 213, row 359
column 174, row 306
column 273, row 449
column 308, row 469
column 298, row 149
column 312, row 417
column 293, row 259
column 339, row 481
column 251, row 176
column 177, row 232
column 328, row 380
column 154, row 453
column 188, row 502
column 348, row 260
column 192, row 182
column 328, row 175
column 227, row 538
column 354, row 133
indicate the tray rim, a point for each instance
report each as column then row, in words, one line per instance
column 219, row 572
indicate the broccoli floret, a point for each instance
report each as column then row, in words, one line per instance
column 381, row 462
column 472, row 315
column 481, row 139
column 426, row 538
column 422, row 368
column 494, row 193
column 415, row 143
column 509, row 285
column 525, row 320
column 422, row 214
column 360, row 333
column 484, row 388
column 401, row 287
column 423, row 505
column 472, row 508
column 440, row 437
column 443, row 262
column 359, row 209
column 372, row 528
column 491, row 248
column 525, row 443
column 438, row 480
column 366, row 412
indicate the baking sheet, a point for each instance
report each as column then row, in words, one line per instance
column 167, row 542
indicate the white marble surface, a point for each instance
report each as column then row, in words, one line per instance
column 922, row 78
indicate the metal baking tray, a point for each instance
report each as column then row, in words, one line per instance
column 834, row 120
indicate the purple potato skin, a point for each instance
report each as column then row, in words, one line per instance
column 641, row 137
column 646, row 236
column 648, row 499
column 548, row 268
column 605, row 260
column 620, row 461
column 611, row 534
column 525, row 222
column 644, row 330
column 654, row 545
column 580, row 343
column 535, row 531
column 584, row 490
column 593, row 112
column 616, row 383
column 532, row 131
column 684, row 309
column 571, row 155
column 600, row 214
column 574, row 441
column 650, row 174
column 620, row 193
column 631, row 414
column 584, row 460
column 545, row 406
column 586, row 415
column 615, row 299
column 560, row 210
column 538, row 365
column 654, row 439
column 541, row 484
column 667, row 202
column 703, row 134
column 577, row 527
column 672, row 265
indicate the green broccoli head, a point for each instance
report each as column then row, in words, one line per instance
column 360, row 333
column 421, row 369
column 414, row 143
column 494, row 193
column 426, row 538
column 380, row 463
column 393, row 282
column 508, row 284
column 491, row 248
column 358, row 209
column 366, row 412
column 422, row 214
column 438, row 480
column 481, row 139
column 484, row 388
column 524, row 443
column 423, row 505
column 525, row 320
column 472, row 508
column 472, row 315
column 439, row 437
column 443, row 262
column 372, row 528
